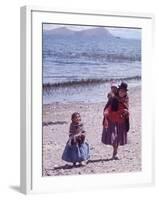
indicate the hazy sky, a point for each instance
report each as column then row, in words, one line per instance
column 121, row 32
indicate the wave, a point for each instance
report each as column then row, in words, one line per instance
column 104, row 56
column 85, row 82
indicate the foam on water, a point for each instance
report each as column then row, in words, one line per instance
column 89, row 94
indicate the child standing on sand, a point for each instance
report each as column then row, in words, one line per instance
column 76, row 149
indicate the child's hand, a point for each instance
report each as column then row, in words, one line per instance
column 77, row 135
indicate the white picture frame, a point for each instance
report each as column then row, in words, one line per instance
column 31, row 64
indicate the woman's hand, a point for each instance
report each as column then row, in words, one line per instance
column 126, row 113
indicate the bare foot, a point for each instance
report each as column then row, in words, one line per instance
column 82, row 163
column 115, row 157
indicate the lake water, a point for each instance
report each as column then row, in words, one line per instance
column 81, row 69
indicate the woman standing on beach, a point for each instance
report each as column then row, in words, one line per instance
column 115, row 123
column 76, row 150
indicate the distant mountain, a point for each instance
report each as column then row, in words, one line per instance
column 95, row 32
column 89, row 33
column 60, row 32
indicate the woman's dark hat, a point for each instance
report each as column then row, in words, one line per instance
column 123, row 86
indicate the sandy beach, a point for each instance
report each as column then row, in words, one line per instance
column 56, row 121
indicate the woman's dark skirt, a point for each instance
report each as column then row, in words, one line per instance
column 115, row 134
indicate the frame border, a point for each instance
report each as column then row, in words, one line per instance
column 26, row 144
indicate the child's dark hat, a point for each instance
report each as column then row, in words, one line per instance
column 123, row 86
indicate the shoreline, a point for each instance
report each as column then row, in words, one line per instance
column 85, row 94
column 56, row 120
